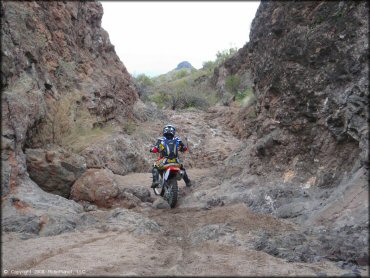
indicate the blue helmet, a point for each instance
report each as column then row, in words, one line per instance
column 169, row 130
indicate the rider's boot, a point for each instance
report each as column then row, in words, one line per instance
column 186, row 179
column 155, row 174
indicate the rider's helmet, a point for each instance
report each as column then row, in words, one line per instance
column 169, row 131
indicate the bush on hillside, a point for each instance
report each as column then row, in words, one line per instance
column 232, row 84
column 245, row 98
column 161, row 99
column 192, row 99
column 209, row 66
column 143, row 85
column 181, row 100
column 181, row 74
column 223, row 55
column 144, row 80
column 182, row 89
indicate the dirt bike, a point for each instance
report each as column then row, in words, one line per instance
column 168, row 187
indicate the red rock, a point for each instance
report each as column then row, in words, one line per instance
column 49, row 156
column 99, row 187
column 96, row 186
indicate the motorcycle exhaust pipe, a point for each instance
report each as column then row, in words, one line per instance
column 180, row 175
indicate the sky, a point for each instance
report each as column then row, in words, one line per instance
column 154, row 37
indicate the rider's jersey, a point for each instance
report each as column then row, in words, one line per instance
column 169, row 148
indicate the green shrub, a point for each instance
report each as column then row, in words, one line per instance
column 240, row 95
column 209, row 66
column 143, row 80
column 191, row 99
column 181, row 74
column 182, row 99
column 232, row 83
column 223, row 55
column 246, row 98
column 161, row 98
column 143, row 84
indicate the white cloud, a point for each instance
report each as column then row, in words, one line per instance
column 153, row 37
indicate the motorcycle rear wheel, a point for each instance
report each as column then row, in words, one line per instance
column 173, row 192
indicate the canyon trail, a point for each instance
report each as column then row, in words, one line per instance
column 195, row 238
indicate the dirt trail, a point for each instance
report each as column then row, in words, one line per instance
column 192, row 240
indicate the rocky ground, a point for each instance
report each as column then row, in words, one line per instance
column 280, row 185
column 216, row 228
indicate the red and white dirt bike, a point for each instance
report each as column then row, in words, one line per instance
column 168, row 187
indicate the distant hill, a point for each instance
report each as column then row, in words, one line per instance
column 183, row 69
column 184, row 65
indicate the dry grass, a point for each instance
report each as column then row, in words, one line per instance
column 80, row 139
column 70, row 125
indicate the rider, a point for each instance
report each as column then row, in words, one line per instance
column 168, row 147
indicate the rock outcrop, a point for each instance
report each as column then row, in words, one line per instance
column 54, row 170
column 32, row 211
column 61, row 82
column 309, row 127
column 118, row 153
column 310, row 68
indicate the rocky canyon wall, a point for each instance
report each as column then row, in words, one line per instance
column 308, row 130
column 309, row 66
column 61, row 81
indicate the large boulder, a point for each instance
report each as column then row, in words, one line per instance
column 96, row 186
column 32, row 211
column 100, row 187
column 55, row 170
